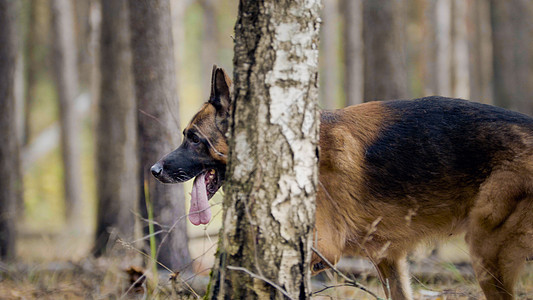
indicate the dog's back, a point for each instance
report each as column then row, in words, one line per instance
column 395, row 172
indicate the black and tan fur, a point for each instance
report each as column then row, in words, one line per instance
column 395, row 173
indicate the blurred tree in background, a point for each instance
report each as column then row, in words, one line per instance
column 33, row 65
column 209, row 41
column 353, row 51
column 10, row 173
column 385, row 75
column 158, row 125
column 511, row 30
column 480, row 50
column 116, row 132
column 66, row 78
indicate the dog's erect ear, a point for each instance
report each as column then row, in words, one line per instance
column 220, row 89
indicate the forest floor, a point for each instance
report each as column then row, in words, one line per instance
column 105, row 279
column 40, row 273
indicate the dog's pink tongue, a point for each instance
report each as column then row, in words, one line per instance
column 200, row 212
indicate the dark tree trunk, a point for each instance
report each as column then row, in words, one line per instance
column 511, row 40
column 353, row 51
column 66, row 75
column 269, row 202
column 155, row 88
column 385, row 70
column 10, row 174
column 117, row 163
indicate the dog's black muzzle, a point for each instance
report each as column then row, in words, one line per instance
column 157, row 171
column 183, row 164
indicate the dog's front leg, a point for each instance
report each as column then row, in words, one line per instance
column 395, row 278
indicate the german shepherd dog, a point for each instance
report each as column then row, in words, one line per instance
column 393, row 174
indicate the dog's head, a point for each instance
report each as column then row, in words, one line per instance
column 203, row 152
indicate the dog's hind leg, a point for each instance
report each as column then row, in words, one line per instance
column 395, row 277
column 500, row 233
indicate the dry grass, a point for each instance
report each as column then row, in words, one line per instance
column 86, row 279
column 62, row 280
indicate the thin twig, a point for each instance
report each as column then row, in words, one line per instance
column 209, row 141
column 152, row 117
column 349, row 280
column 138, row 215
column 144, row 238
column 130, row 246
column 279, row 288
column 331, row 287
column 143, row 276
column 176, row 223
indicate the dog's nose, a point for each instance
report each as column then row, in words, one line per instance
column 156, row 169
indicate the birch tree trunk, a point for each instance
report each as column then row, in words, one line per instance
column 385, row 70
column 158, row 124
column 116, row 165
column 10, row 174
column 269, row 203
column 353, row 51
column 66, row 75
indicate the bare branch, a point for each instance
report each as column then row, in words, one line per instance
column 142, row 277
column 130, row 246
column 279, row 288
column 348, row 280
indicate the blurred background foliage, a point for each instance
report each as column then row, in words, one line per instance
column 43, row 180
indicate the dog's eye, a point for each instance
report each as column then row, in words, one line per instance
column 195, row 139
column 318, row 266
